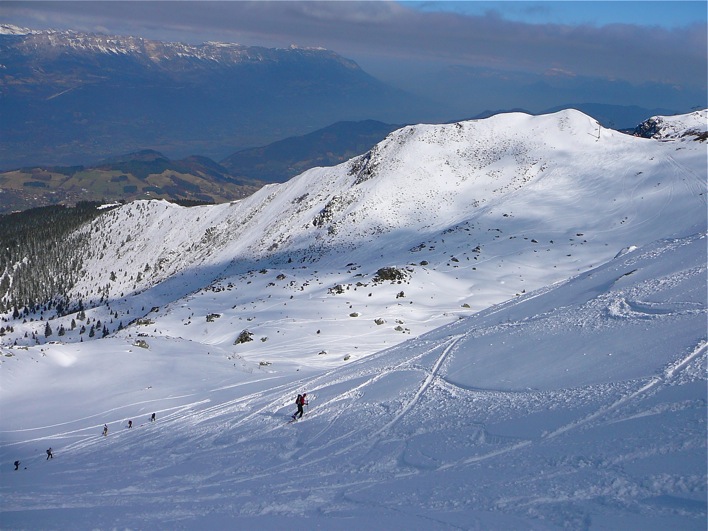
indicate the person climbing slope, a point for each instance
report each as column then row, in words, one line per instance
column 300, row 401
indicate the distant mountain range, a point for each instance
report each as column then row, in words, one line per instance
column 69, row 98
column 73, row 101
column 146, row 174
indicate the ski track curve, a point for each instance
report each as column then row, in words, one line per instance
column 667, row 374
column 692, row 181
column 350, row 394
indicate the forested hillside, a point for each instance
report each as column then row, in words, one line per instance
column 41, row 255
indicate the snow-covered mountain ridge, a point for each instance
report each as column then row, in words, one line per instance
column 498, row 191
column 11, row 29
column 55, row 42
column 496, row 207
column 551, row 288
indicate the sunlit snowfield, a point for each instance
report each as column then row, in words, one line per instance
column 541, row 364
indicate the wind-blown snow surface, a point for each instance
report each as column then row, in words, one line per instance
column 579, row 403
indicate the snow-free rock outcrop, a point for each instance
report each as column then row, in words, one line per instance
column 693, row 126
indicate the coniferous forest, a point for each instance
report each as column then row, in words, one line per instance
column 41, row 256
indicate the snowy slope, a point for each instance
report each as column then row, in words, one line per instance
column 580, row 406
column 554, row 373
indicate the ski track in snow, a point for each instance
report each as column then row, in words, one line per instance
column 653, row 382
column 424, row 386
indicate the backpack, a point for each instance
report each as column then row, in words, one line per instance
column 299, row 400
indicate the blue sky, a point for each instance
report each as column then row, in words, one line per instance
column 667, row 14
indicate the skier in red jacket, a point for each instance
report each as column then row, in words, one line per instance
column 300, row 401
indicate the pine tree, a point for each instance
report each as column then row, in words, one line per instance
column 47, row 330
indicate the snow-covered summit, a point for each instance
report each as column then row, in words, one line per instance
column 513, row 185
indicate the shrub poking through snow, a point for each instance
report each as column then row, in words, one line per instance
column 244, row 337
column 392, row 274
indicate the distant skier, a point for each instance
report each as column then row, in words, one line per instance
column 130, row 424
column 105, row 430
column 50, row 455
column 300, row 401
column 152, row 418
column 17, row 465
